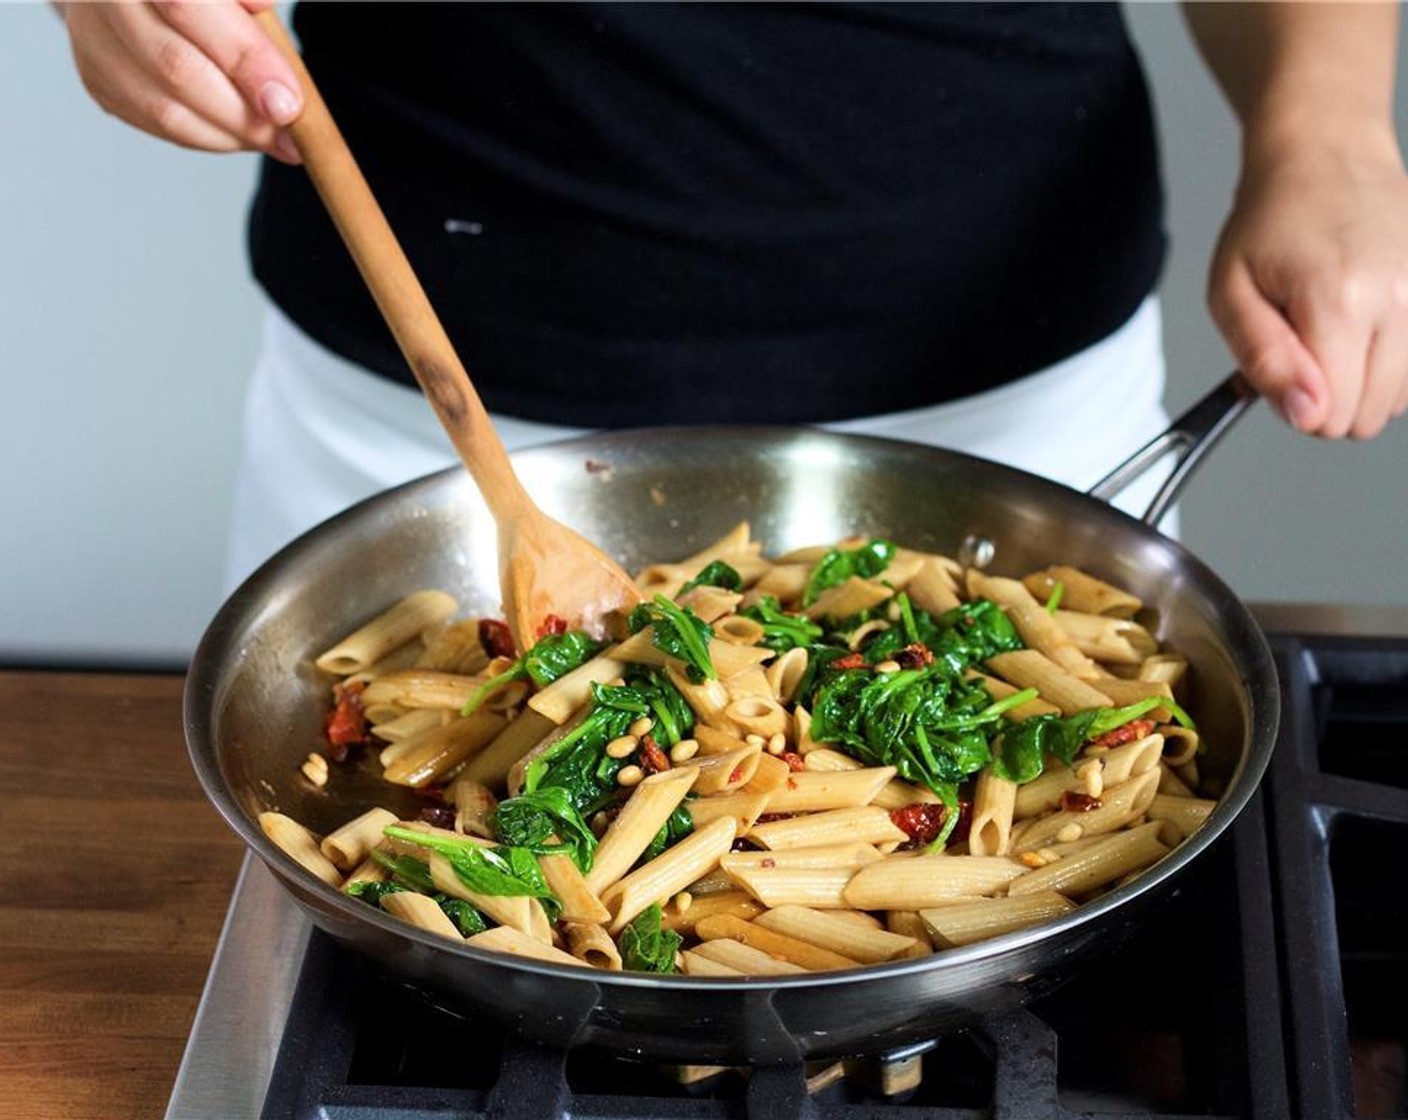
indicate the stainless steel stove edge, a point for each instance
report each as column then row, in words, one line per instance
column 1360, row 620
column 229, row 1057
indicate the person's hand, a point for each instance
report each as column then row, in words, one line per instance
column 1309, row 284
column 201, row 74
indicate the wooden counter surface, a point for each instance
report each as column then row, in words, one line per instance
column 115, row 874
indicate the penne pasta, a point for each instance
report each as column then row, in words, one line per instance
column 454, row 648
column 849, row 598
column 742, row 808
column 506, row 939
column 781, row 946
column 851, row 855
column 990, row 831
column 928, row 881
column 592, row 945
column 1115, row 808
column 908, row 923
column 836, row 932
column 1186, row 814
column 1030, row 668
column 645, row 813
column 696, row 964
column 1038, row 628
column 737, row 903
column 384, row 633
column 434, row 753
column 560, row 700
column 864, row 824
column 744, row 959
column 967, row 922
column 811, row 790
column 822, row 887
column 300, row 845
column 669, row 873
column 1120, row 641
column 420, row 911
column 1081, row 591
column 351, row 844
column 726, row 773
column 1116, row 765
column 579, row 903
column 1113, row 857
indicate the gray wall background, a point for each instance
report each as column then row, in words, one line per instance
column 128, row 322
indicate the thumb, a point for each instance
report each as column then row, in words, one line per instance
column 1267, row 348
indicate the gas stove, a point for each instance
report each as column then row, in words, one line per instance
column 1282, row 954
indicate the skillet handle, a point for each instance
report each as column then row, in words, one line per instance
column 1191, row 436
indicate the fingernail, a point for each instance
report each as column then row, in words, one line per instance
column 286, row 150
column 1300, row 409
column 279, row 103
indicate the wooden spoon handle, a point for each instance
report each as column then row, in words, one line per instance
column 397, row 291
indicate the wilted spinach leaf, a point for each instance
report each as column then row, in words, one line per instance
column 839, row 565
column 679, row 632
column 646, row 946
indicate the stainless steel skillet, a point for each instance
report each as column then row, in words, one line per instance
column 254, row 702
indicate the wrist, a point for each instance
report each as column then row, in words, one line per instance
column 1351, row 139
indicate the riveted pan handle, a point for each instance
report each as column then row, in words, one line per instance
column 1190, row 437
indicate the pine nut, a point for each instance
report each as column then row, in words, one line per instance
column 632, row 775
column 1070, row 832
column 777, row 743
column 684, row 750
column 641, row 726
column 683, row 901
column 888, row 667
column 315, row 769
column 622, row 747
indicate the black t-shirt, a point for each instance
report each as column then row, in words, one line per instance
column 657, row 213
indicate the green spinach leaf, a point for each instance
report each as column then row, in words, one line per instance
column 531, row 820
column 504, row 870
column 679, row 632
column 1024, row 746
column 715, row 574
column 646, row 946
column 552, row 656
column 839, row 565
column 781, row 631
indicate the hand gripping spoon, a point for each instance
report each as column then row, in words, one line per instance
column 544, row 567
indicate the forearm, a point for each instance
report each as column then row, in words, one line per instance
column 1303, row 72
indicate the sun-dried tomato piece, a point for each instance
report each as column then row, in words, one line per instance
column 441, row 816
column 794, row 761
column 552, row 624
column 1134, row 729
column 652, row 759
column 849, row 661
column 1073, row 801
column 916, row 655
column 346, row 726
column 496, row 638
column 921, row 822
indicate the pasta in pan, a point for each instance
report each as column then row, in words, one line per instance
column 845, row 755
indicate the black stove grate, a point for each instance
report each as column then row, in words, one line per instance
column 1252, row 1032
column 1339, row 796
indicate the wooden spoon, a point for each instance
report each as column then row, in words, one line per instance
column 545, row 568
